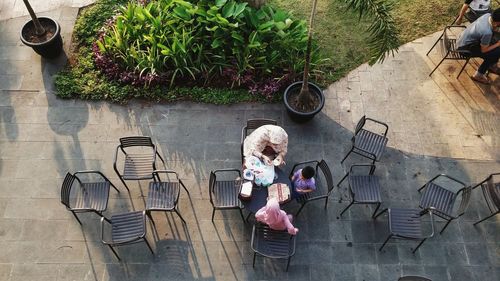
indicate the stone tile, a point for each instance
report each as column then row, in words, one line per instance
column 367, row 272
column 365, row 253
column 34, row 272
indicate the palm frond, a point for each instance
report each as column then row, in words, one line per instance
column 383, row 37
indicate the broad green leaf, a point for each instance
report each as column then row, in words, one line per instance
column 266, row 25
column 220, row 3
column 216, row 43
column 239, row 8
column 182, row 13
column 228, row 9
column 280, row 16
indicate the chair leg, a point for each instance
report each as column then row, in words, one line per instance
column 148, row 213
column 381, row 247
column 435, row 43
column 419, row 244
column 376, row 209
column 381, row 212
column 288, row 263
column 343, row 211
column 179, row 215
column 114, row 252
column 463, row 67
column 114, row 187
column 184, row 188
column 149, row 246
column 338, row 184
column 445, row 226
column 254, row 256
column 438, row 65
column 242, row 217
column 346, row 156
column 326, row 202
column 486, row 218
column 213, row 215
column 300, row 209
column 80, row 222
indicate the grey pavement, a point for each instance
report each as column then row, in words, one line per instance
column 437, row 125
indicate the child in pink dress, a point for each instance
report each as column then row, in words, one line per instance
column 272, row 215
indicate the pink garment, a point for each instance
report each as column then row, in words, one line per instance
column 272, row 215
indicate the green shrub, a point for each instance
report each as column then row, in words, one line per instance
column 84, row 80
column 202, row 38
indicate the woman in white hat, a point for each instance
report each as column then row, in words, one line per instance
column 267, row 142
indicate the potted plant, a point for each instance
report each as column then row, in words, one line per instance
column 43, row 34
column 304, row 99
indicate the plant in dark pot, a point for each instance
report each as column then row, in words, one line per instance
column 304, row 99
column 43, row 34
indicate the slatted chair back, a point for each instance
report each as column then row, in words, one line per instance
column 465, row 199
column 360, row 124
column 211, row 185
column 328, row 175
column 253, row 124
column 136, row 141
column 66, row 189
column 492, row 188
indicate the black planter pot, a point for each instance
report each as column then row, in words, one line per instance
column 53, row 46
column 301, row 117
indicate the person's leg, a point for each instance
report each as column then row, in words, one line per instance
column 490, row 59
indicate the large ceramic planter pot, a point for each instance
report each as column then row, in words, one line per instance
column 49, row 47
column 297, row 116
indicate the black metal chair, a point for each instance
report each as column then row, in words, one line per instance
column 224, row 193
column 449, row 48
column 126, row 228
column 491, row 192
column 276, row 244
column 138, row 165
column 366, row 143
column 443, row 199
column 322, row 191
column 90, row 196
column 164, row 195
column 364, row 189
column 413, row 278
column 251, row 125
column 407, row 224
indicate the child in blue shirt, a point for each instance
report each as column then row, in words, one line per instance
column 303, row 181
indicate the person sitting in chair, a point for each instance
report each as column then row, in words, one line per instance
column 476, row 8
column 477, row 41
column 267, row 142
column 303, row 181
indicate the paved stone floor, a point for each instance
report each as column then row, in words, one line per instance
column 437, row 125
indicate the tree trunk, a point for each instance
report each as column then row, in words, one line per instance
column 305, row 98
column 38, row 27
column 256, row 3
